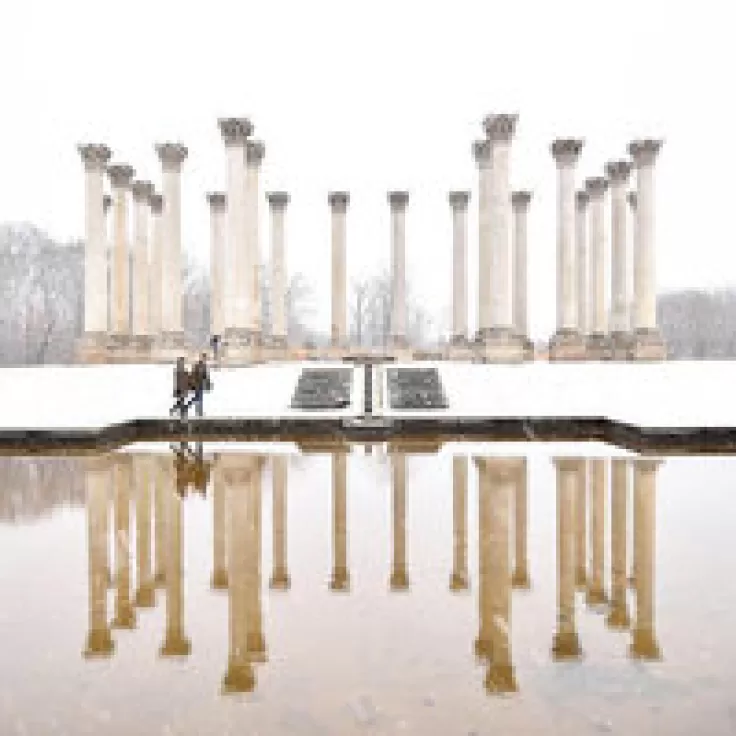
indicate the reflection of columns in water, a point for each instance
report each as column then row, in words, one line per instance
column 399, row 571
column 219, row 532
column 145, row 594
column 280, row 579
column 497, row 477
column 644, row 643
column 520, row 577
column 566, row 644
column 256, row 640
column 581, row 525
column 159, row 521
column 340, row 579
column 459, row 576
column 618, row 615
column 97, row 482
column 176, row 642
column 598, row 476
column 124, row 611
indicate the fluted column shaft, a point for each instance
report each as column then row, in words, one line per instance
column 218, row 208
column 142, row 469
column 520, row 205
column 254, row 153
column 618, row 616
column 340, row 579
column 279, row 319
column 581, row 525
column 219, row 528
column 120, row 179
column 256, row 639
column 596, row 189
column 520, row 578
column 142, row 191
column 598, row 481
column 618, row 175
column 482, row 154
column 160, row 520
column 459, row 576
column 459, row 204
column 124, row 611
column 582, row 261
column 338, row 202
column 155, row 270
column 399, row 568
column 280, row 579
column 398, row 202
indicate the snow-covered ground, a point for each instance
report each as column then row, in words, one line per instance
column 657, row 394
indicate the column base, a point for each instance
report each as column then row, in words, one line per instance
column 621, row 346
column 241, row 346
column 618, row 616
column 141, row 346
column 459, row 582
column 566, row 647
column 92, row 347
column 527, row 346
column 520, row 579
column 168, row 346
column 219, row 580
column 644, row 645
column 99, row 644
column 567, row 344
column 500, row 345
column 124, row 617
column 280, row 580
column 596, row 596
column 145, row 596
column 256, row 646
column 340, row 581
column 176, row 646
column 239, row 678
column 647, row 344
column 500, row 678
column 399, row 581
column 598, row 347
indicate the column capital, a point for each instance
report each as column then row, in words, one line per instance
column 95, row 156
column 278, row 200
column 106, row 202
column 235, row 130
column 581, row 199
column 120, row 175
column 157, row 203
column 618, row 171
column 171, row 155
column 500, row 127
column 645, row 151
column 459, row 199
column 631, row 199
column 482, row 152
column 520, row 200
column 217, row 200
column 142, row 190
column 338, row 200
column 398, row 200
column 566, row 151
column 596, row 186
column 254, row 152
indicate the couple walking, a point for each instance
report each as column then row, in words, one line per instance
column 194, row 382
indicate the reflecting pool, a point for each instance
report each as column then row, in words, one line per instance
column 484, row 589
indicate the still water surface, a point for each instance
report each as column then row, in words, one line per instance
column 244, row 592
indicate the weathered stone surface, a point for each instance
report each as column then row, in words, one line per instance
column 323, row 388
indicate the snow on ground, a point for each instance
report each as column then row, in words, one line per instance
column 657, row 394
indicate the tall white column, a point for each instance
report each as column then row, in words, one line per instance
column 142, row 191
column 278, row 202
column 155, row 271
column 95, row 158
column 172, row 156
column 218, row 206
column 106, row 208
column 254, row 153
column 121, row 176
column 618, row 176
column 459, row 203
column 339, row 202
column 618, row 613
column 581, row 261
column 235, row 132
column 398, row 202
column 566, row 343
column 648, row 341
column 598, row 343
column 482, row 155
column 520, row 206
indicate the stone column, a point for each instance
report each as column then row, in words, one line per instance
column 598, row 343
column 581, row 251
column 218, row 206
column 596, row 592
column 520, row 577
column 219, row 580
column 256, row 640
column 172, row 156
column 459, row 204
column 482, row 155
column 566, row 644
column 121, row 176
column 155, row 270
column 160, row 522
column 142, row 191
column 278, row 202
column 106, row 207
column 483, row 645
column 618, row 176
column 520, row 206
column 95, row 158
column 398, row 202
column 459, row 576
column 235, row 132
column 280, row 578
column 648, row 343
column 618, row 613
column 124, row 611
column 254, row 153
column 340, row 579
column 97, row 483
column 339, row 202
column 566, row 343
column 399, row 569
column 176, row 643
column 501, row 342
column 581, row 526
column 644, row 644
column 142, row 473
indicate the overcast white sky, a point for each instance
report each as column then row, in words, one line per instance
column 372, row 96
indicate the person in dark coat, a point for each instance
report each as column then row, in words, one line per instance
column 181, row 388
column 200, row 383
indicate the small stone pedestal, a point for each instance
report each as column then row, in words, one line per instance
column 598, row 347
column 567, row 345
column 647, row 345
column 620, row 346
column 500, row 345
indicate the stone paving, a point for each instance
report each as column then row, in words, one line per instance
column 415, row 388
column 323, row 388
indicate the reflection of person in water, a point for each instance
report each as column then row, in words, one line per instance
column 191, row 469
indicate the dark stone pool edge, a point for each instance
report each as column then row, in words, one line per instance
column 415, row 432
